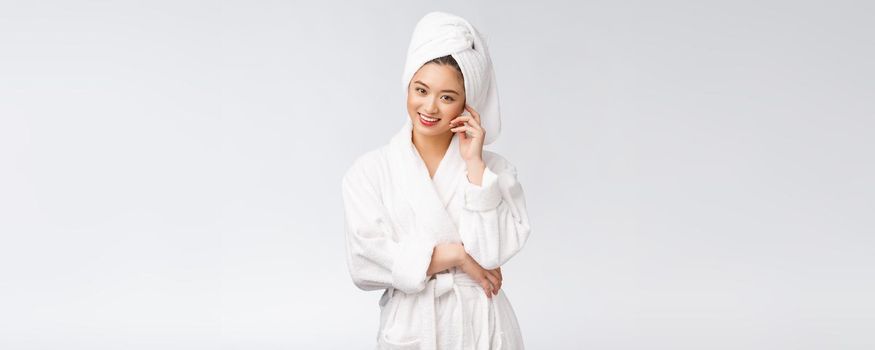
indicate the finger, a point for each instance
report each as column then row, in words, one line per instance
column 474, row 132
column 487, row 288
column 462, row 127
column 497, row 274
column 494, row 281
column 461, row 119
column 496, row 285
column 467, row 133
column 466, row 119
column 473, row 112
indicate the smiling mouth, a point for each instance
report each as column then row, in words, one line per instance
column 428, row 119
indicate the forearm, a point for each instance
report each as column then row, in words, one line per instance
column 475, row 171
column 446, row 256
column 494, row 224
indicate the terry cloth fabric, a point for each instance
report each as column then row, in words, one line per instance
column 395, row 216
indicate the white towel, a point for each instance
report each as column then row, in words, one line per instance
column 440, row 34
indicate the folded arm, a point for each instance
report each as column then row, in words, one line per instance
column 376, row 257
column 494, row 223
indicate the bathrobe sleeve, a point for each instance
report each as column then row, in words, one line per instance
column 494, row 224
column 376, row 258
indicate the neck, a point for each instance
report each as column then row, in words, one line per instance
column 432, row 146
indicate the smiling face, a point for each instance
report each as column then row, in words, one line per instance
column 435, row 96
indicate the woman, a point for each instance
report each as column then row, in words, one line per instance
column 431, row 216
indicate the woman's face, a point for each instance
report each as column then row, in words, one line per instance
column 435, row 96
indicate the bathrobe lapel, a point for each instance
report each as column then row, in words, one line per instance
column 428, row 198
column 449, row 174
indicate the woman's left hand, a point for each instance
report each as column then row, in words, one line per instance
column 471, row 135
column 489, row 280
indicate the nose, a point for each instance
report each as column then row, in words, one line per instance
column 431, row 107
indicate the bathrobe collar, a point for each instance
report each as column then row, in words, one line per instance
column 428, row 197
column 428, row 200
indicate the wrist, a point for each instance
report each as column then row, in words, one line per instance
column 460, row 255
column 475, row 163
column 475, row 172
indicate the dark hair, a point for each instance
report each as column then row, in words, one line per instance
column 448, row 61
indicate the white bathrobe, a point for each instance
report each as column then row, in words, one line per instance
column 396, row 214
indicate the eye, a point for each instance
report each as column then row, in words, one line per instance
column 450, row 99
column 420, row 90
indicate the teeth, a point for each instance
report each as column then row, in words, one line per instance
column 430, row 120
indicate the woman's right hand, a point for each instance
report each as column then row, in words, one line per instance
column 490, row 280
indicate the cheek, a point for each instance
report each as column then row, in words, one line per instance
column 455, row 108
column 413, row 101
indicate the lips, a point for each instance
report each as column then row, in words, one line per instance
column 428, row 121
column 428, row 118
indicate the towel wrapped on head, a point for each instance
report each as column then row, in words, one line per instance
column 440, row 34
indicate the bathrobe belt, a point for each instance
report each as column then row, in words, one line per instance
column 439, row 285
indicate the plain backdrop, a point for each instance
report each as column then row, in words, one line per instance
column 699, row 175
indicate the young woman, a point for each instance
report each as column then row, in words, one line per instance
column 431, row 216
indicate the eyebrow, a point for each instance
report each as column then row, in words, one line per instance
column 423, row 84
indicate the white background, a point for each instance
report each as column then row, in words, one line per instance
column 699, row 175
